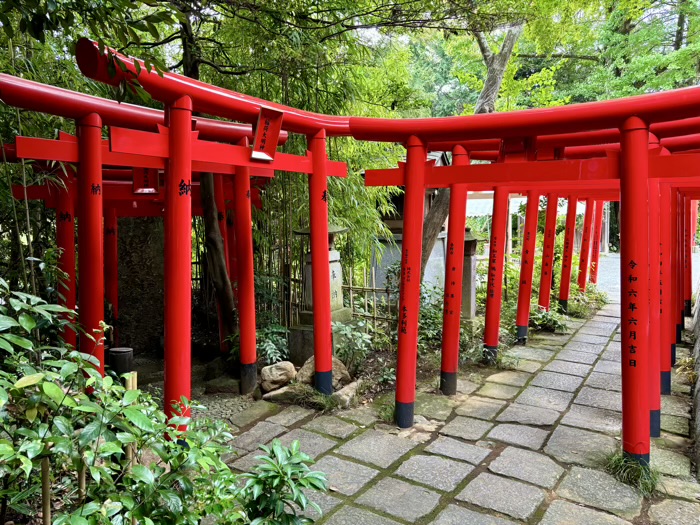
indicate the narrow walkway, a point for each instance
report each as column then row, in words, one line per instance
column 525, row 446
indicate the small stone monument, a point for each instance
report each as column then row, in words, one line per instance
column 469, row 276
column 301, row 337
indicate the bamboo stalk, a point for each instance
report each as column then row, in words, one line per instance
column 46, row 491
column 374, row 298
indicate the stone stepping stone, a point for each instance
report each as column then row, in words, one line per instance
column 323, row 500
column 545, row 398
column 433, row 406
column 525, row 365
column 400, row 499
column 312, row 444
column 466, row 428
column 344, row 476
column 454, row 515
column 556, row 381
column 590, row 418
column 332, row 426
column 480, row 407
column 608, row 367
column 435, row 471
column 675, row 425
column 670, row 463
column 498, row 391
column 548, row 339
column 612, row 354
column 591, row 339
column 290, row 416
column 528, row 415
column 258, row 410
column 529, row 353
column 594, row 397
column 566, row 367
column 588, row 348
column 602, row 322
column 528, row 466
column 574, row 445
column 564, row 513
column 605, row 381
column 675, row 406
column 577, row 357
column 455, row 449
column 603, row 331
column 503, row 495
column 521, row 435
column 377, row 448
column 363, row 416
column 602, row 491
column 260, row 434
column 678, row 488
column 510, row 377
column 674, row 512
column 354, row 516
column 247, row 462
column 615, row 344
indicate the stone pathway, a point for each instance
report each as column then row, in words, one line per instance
column 526, row 446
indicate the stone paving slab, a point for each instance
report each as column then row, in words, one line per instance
column 435, row 471
column 590, row 418
column 673, row 512
column 258, row 410
column 605, row 381
column 577, row 357
column 545, row 398
column 345, row 477
column 590, row 339
column 556, row 381
column 528, row 415
column 363, row 416
column 311, row 444
column 377, row 448
column 602, row 491
column 526, row 465
column 503, row 495
column 290, row 416
column 603, row 331
column 354, row 516
column 675, row 425
column 589, row 348
column 521, row 435
column 612, row 354
column 332, row 426
column 400, row 499
column 525, row 365
column 670, row 463
column 323, row 500
column 466, row 428
column 608, row 367
column 678, row 488
column 567, row 367
column 480, row 407
column 595, row 397
column 574, row 445
column 530, row 353
column 510, row 377
column 455, row 449
column 432, row 406
column 675, row 406
column 260, row 433
column 498, row 391
column 454, row 515
column 564, row 513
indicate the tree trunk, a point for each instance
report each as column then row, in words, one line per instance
column 214, row 243
column 496, row 64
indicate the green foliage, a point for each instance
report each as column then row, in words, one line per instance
column 584, row 305
column 627, row 470
column 276, row 485
column 547, row 320
column 353, row 343
column 272, row 344
column 307, row 396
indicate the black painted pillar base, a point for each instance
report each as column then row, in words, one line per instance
column 323, row 381
column 665, row 383
column 655, row 423
column 642, row 459
column 448, row 383
column 249, row 378
column 673, row 355
column 688, row 308
column 403, row 415
column 679, row 332
column 490, row 354
column 563, row 305
column 522, row 334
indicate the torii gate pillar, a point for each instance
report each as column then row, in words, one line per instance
column 65, row 240
column 568, row 255
column 527, row 265
column 112, row 267
column 550, row 237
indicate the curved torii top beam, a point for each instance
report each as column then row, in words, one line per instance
column 606, row 115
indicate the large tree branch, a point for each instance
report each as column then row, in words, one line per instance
column 484, row 47
column 571, row 56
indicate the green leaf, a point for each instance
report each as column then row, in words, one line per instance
column 29, row 380
column 63, row 425
column 27, row 321
column 89, row 434
column 54, row 392
column 139, row 419
column 130, row 396
column 22, row 342
column 143, row 474
column 7, row 322
column 77, row 519
column 6, row 346
column 172, row 501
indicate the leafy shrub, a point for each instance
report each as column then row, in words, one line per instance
column 274, row 486
column 547, row 320
column 584, row 305
column 353, row 344
column 272, row 345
